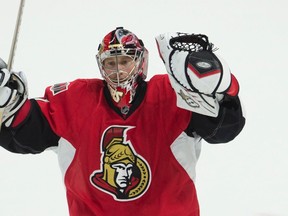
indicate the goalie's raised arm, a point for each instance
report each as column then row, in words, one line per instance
column 199, row 77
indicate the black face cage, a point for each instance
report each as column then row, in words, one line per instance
column 191, row 43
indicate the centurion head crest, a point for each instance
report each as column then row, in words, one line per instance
column 124, row 174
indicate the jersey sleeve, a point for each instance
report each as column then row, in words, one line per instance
column 225, row 127
column 32, row 135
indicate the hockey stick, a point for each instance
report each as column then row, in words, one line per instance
column 15, row 36
column 13, row 46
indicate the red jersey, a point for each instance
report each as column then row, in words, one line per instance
column 112, row 165
column 142, row 163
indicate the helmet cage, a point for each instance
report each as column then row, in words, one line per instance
column 115, row 76
column 122, row 75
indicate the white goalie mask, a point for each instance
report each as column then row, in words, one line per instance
column 122, row 60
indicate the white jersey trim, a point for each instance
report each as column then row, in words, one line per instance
column 187, row 150
column 66, row 153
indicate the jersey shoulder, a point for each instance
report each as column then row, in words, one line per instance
column 69, row 95
column 77, row 85
column 159, row 78
column 160, row 83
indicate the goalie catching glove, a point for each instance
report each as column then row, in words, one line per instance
column 13, row 93
column 199, row 77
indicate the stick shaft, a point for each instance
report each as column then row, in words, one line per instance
column 15, row 36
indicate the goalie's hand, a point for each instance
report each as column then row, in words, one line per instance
column 190, row 60
column 199, row 76
column 13, row 93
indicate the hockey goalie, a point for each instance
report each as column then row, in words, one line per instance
column 127, row 146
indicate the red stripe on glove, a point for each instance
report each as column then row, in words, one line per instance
column 233, row 89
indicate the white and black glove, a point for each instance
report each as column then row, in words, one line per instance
column 199, row 77
column 13, row 93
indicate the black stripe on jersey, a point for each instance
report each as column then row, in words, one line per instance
column 34, row 132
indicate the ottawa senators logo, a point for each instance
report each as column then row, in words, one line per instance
column 124, row 174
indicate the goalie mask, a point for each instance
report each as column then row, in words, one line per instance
column 122, row 60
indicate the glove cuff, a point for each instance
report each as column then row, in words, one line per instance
column 233, row 89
